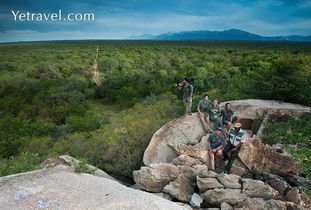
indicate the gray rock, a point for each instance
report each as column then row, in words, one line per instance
column 155, row 177
column 230, row 181
column 275, row 204
column 218, row 196
column 164, row 195
column 293, row 195
column 225, row 206
column 183, row 130
column 181, row 188
column 201, row 170
column 62, row 188
column 186, row 160
column 184, row 205
column 278, row 184
column 260, row 158
column 258, row 189
column 195, row 151
column 278, row 147
column 187, row 171
column 259, row 203
column 208, row 183
column 252, row 203
column 196, row 200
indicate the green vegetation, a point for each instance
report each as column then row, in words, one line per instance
column 49, row 104
column 26, row 161
column 82, row 167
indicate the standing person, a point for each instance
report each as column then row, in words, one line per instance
column 203, row 110
column 187, row 89
column 215, row 143
column 214, row 114
column 236, row 138
column 227, row 116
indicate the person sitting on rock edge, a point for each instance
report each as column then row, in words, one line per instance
column 203, row 109
column 236, row 138
column 214, row 114
column 228, row 117
column 215, row 143
column 187, row 89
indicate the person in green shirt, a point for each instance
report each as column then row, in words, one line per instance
column 215, row 143
column 214, row 114
column 203, row 109
column 228, row 117
column 187, row 89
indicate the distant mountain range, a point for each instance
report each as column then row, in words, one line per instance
column 231, row 34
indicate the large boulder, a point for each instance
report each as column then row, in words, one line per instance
column 278, row 184
column 183, row 130
column 186, row 160
column 60, row 187
column 260, row 158
column 217, row 196
column 259, row 203
column 196, row 151
column 254, row 111
column 208, row 183
column 258, row 189
column 229, row 181
column 181, row 188
column 153, row 178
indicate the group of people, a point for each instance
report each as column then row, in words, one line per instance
column 224, row 138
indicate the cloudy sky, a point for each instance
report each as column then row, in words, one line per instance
column 119, row 19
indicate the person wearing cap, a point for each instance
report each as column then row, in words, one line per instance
column 236, row 138
column 227, row 116
column 214, row 114
column 187, row 89
column 203, row 109
column 215, row 143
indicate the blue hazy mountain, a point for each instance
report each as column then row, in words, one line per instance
column 143, row 36
column 231, row 34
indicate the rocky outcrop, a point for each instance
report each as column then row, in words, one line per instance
column 188, row 130
column 59, row 187
column 262, row 177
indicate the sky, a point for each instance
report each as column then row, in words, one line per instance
column 119, row 19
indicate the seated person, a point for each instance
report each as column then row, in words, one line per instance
column 203, row 109
column 227, row 116
column 214, row 114
column 215, row 143
column 236, row 138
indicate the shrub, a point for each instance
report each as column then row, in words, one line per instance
column 26, row 161
column 82, row 167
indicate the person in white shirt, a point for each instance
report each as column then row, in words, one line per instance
column 236, row 138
